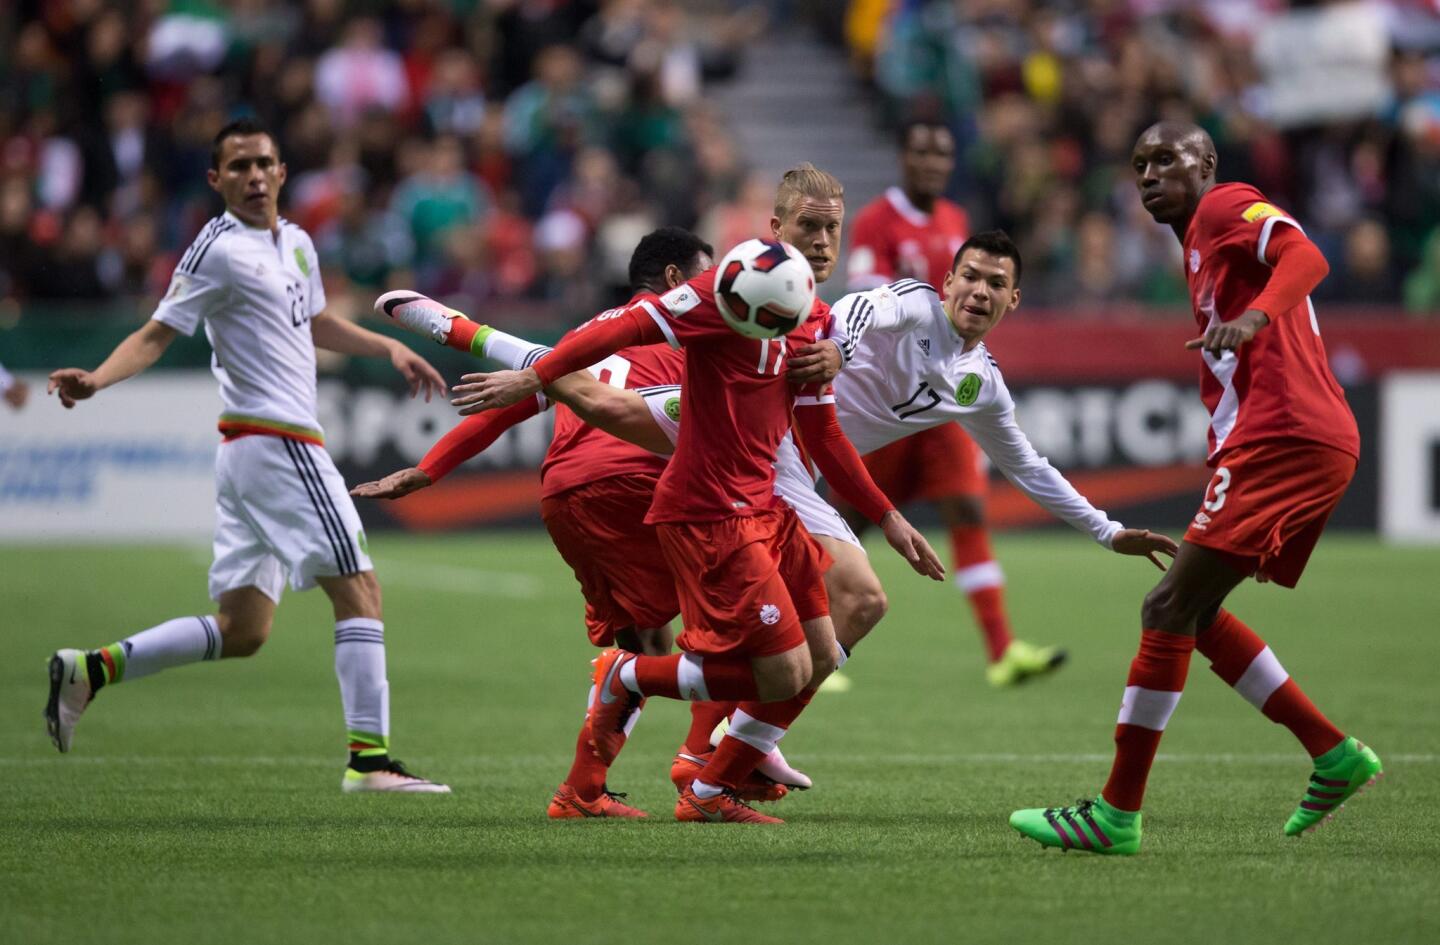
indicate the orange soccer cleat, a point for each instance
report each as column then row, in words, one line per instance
column 687, row 767
column 722, row 808
column 611, row 706
column 567, row 805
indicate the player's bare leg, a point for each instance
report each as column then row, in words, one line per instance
column 364, row 689
column 240, row 628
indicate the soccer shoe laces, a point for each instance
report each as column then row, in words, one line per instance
column 396, row 766
column 614, row 795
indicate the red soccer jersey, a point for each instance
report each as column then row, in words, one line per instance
column 1278, row 385
column 736, row 404
column 893, row 239
column 580, row 453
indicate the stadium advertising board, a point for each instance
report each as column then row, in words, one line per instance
column 136, row 462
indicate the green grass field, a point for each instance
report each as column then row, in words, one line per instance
column 203, row 805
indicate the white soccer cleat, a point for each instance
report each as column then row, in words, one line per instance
column 70, row 693
column 419, row 313
column 773, row 766
column 392, row 778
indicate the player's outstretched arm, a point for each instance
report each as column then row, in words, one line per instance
column 137, row 352
column 397, row 485
column 622, row 413
column 816, row 363
column 594, row 341
column 343, row 337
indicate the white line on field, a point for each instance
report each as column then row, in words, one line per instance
column 526, row 761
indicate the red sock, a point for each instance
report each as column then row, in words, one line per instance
column 462, row 334
column 1238, row 656
column 979, row 576
column 1152, row 691
column 704, row 716
column 725, row 678
column 747, row 743
column 587, row 772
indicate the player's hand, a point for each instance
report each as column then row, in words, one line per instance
column 1143, row 542
column 417, row 372
column 819, row 362
column 17, row 393
column 402, row 482
column 912, row 546
column 72, row 384
column 490, row 391
column 1227, row 336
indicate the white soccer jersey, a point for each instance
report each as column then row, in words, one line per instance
column 256, row 292
column 906, row 371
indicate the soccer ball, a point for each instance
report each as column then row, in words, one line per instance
column 764, row 288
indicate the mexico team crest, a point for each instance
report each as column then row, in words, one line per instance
column 968, row 390
column 672, row 409
column 301, row 261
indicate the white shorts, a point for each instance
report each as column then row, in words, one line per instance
column 793, row 481
column 281, row 509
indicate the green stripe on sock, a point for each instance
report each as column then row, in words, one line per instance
column 477, row 344
column 373, row 744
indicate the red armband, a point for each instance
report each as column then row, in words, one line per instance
column 472, row 436
column 835, row 455
column 1298, row 268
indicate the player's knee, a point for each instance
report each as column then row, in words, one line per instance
column 784, row 679
column 242, row 636
column 870, row 606
column 1164, row 609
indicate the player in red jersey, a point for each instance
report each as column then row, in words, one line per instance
column 595, row 491
column 750, row 580
column 913, row 232
column 1283, row 445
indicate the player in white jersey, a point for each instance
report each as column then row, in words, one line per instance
column 282, row 508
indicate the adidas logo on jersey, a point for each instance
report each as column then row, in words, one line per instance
column 924, row 344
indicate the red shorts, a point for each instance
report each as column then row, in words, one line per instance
column 599, row 529
column 1267, row 504
column 746, row 583
column 933, row 464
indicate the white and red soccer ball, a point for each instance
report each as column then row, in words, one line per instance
column 764, row 288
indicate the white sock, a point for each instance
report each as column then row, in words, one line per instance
column 705, row 789
column 364, row 691
column 628, row 678
column 517, row 354
column 173, row 643
column 842, row 656
column 761, row 736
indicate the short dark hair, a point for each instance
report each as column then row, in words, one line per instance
column 238, row 128
column 667, row 246
column 994, row 242
column 902, row 139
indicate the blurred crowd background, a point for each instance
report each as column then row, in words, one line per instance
column 510, row 152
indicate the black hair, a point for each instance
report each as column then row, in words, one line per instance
column 667, row 246
column 902, row 138
column 996, row 243
column 237, row 128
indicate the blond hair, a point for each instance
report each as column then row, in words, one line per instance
column 802, row 181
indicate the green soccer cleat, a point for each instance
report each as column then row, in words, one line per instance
column 1021, row 661
column 1089, row 826
column 1340, row 774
